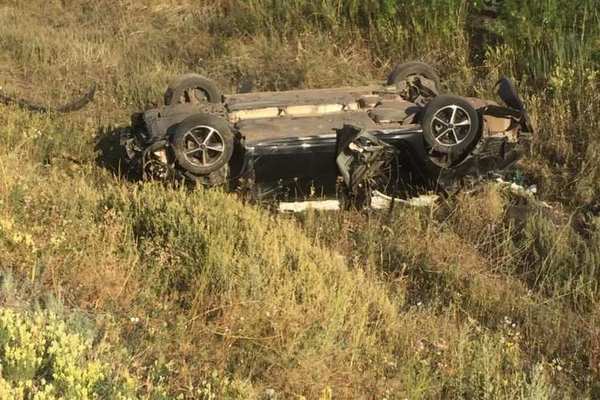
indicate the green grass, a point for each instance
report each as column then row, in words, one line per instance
column 195, row 294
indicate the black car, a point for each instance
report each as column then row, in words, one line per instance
column 392, row 137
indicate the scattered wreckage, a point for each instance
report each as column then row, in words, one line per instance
column 73, row 105
column 392, row 138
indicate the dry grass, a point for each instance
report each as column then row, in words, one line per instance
column 201, row 296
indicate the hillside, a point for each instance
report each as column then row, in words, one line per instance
column 118, row 289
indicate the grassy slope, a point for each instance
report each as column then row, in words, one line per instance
column 201, row 295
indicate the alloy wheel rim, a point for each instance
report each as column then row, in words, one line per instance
column 204, row 146
column 451, row 125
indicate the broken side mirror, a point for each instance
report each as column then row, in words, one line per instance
column 508, row 93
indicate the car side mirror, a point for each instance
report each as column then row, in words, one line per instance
column 508, row 93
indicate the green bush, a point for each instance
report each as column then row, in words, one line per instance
column 42, row 357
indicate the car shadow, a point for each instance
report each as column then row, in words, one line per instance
column 110, row 154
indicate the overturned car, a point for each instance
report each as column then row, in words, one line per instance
column 394, row 137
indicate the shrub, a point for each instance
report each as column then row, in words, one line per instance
column 43, row 358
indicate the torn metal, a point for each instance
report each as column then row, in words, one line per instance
column 362, row 157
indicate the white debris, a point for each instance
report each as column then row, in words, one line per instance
column 532, row 189
column 528, row 193
column 380, row 201
column 517, row 189
column 300, row 206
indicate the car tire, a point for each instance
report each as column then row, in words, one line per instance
column 202, row 144
column 219, row 178
column 156, row 168
column 192, row 88
column 451, row 126
column 404, row 71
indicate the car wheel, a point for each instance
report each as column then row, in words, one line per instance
column 192, row 88
column 155, row 162
column 219, row 178
column 451, row 126
column 428, row 77
column 202, row 144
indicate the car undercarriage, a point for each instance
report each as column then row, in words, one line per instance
column 396, row 138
